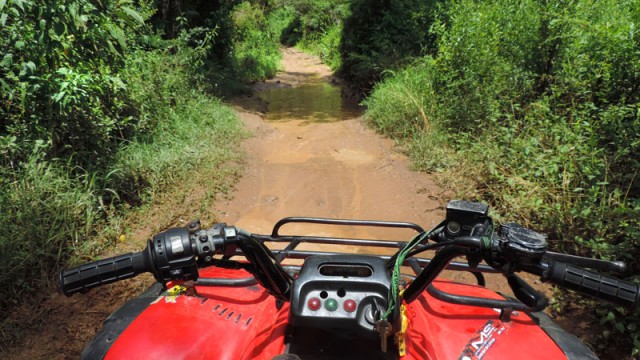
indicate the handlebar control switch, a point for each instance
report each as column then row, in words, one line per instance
column 521, row 245
column 463, row 216
column 219, row 239
column 174, row 255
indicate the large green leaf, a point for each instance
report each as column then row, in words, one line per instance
column 118, row 35
column 111, row 47
column 4, row 86
column 58, row 96
column 20, row 4
column 7, row 60
column 133, row 14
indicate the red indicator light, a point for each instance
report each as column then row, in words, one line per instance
column 314, row 304
column 349, row 306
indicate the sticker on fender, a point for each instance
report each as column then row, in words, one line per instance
column 482, row 340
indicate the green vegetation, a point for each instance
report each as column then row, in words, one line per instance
column 105, row 106
column 537, row 102
column 383, row 35
column 257, row 37
column 316, row 26
column 361, row 39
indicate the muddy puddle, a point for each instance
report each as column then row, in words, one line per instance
column 316, row 99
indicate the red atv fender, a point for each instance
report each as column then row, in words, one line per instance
column 245, row 323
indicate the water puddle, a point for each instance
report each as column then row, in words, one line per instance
column 315, row 100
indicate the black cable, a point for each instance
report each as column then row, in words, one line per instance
column 429, row 247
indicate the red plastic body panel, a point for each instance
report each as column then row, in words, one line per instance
column 440, row 330
column 220, row 323
column 244, row 323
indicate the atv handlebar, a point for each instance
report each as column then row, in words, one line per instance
column 511, row 249
column 168, row 256
column 177, row 253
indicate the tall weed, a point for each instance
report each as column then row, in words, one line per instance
column 46, row 214
column 404, row 104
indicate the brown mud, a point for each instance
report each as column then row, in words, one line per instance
column 300, row 162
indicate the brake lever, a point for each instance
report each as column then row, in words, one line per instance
column 618, row 267
column 525, row 293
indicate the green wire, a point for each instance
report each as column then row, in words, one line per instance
column 395, row 276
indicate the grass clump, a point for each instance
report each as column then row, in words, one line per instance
column 46, row 213
column 188, row 129
column 163, row 125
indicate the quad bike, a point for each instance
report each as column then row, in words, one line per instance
column 223, row 294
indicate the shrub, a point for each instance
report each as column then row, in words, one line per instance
column 59, row 77
column 256, row 46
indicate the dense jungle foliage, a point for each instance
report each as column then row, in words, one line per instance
column 535, row 104
column 104, row 105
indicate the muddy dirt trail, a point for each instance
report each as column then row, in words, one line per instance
column 311, row 155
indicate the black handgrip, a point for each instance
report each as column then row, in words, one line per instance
column 618, row 267
column 594, row 284
column 101, row 272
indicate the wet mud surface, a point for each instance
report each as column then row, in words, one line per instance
column 315, row 157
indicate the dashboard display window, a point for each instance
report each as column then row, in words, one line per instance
column 345, row 270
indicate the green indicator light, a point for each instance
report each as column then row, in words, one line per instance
column 331, row 305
